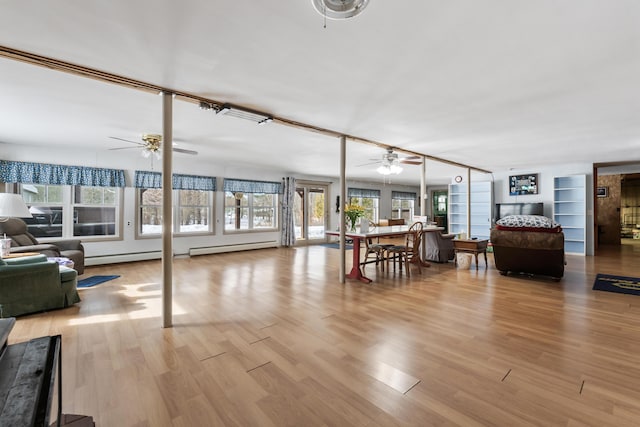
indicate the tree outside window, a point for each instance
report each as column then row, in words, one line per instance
column 250, row 211
column 369, row 204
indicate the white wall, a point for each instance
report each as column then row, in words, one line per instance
column 546, row 174
column 131, row 160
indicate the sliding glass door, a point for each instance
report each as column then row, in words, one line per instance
column 310, row 215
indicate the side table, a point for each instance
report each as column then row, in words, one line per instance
column 471, row 246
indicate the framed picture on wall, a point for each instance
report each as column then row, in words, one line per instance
column 523, row 184
column 602, row 191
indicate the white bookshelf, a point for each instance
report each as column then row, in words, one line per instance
column 481, row 203
column 569, row 210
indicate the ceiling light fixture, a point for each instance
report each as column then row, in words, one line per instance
column 390, row 164
column 152, row 145
column 339, row 9
column 243, row 113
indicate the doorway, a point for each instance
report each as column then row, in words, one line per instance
column 617, row 206
column 310, row 212
column 440, row 200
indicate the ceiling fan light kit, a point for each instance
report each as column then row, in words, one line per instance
column 390, row 164
column 339, row 9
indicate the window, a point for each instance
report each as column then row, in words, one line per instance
column 192, row 199
column 402, row 205
column 250, row 205
column 71, row 210
column 46, row 204
column 370, row 206
column 94, row 211
column 368, row 199
column 150, row 210
column 193, row 211
column 253, row 211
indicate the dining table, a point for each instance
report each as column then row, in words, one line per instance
column 373, row 233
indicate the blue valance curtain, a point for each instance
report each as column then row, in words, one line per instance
column 146, row 179
column 247, row 186
column 363, row 192
column 43, row 173
column 403, row 195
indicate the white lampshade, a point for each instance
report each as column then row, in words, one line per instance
column 12, row 205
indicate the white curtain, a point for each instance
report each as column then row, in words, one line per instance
column 288, row 236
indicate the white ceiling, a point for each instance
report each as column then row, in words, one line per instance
column 491, row 84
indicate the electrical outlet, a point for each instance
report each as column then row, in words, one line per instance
column 129, row 223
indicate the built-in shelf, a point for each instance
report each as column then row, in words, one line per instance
column 569, row 210
column 481, row 203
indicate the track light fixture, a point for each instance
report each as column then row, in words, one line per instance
column 243, row 113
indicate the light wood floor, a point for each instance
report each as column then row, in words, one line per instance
column 271, row 338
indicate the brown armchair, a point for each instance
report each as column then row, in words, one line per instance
column 23, row 241
column 438, row 246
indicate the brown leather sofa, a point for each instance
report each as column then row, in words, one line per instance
column 530, row 252
column 22, row 241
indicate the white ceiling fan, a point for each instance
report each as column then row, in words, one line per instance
column 390, row 162
column 151, row 144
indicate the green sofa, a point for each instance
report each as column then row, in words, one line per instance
column 31, row 284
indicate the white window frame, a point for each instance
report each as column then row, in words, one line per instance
column 373, row 213
column 68, row 207
column 251, row 207
column 396, row 213
column 176, row 208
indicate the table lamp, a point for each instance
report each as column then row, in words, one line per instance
column 12, row 205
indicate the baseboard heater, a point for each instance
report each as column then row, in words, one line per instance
column 233, row 248
column 114, row 259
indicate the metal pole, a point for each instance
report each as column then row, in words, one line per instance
column 343, row 199
column 167, row 209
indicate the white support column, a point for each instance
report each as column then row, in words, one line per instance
column 424, row 199
column 468, row 203
column 167, row 210
column 343, row 201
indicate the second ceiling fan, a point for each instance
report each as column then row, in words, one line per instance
column 151, row 144
column 390, row 162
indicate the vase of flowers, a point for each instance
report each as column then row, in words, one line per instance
column 353, row 213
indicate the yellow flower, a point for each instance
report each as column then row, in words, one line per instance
column 353, row 212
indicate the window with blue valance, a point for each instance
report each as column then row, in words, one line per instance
column 43, row 173
column 145, row 179
column 363, row 193
column 247, row 186
column 403, row 195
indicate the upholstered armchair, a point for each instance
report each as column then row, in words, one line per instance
column 31, row 284
column 23, row 241
column 438, row 246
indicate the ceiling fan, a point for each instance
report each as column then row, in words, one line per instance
column 151, row 144
column 390, row 162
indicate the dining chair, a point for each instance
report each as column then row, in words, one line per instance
column 375, row 250
column 407, row 252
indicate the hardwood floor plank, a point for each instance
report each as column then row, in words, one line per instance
column 270, row 338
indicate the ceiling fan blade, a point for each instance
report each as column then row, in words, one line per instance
column 126, row 140
column 120, row 148
column 369, row 164
column 410, row 162
column 182, row 150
